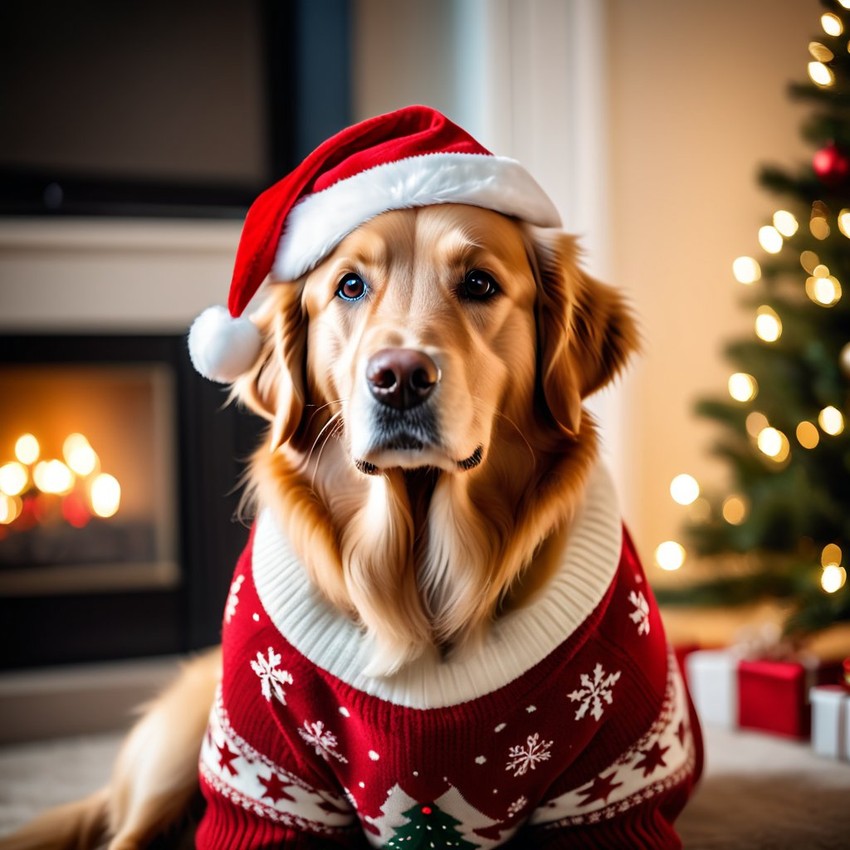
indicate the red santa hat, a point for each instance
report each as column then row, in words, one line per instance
column 413, row 157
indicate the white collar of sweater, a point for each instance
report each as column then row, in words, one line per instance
column 515, row 643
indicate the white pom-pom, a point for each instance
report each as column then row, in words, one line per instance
column 223, row 347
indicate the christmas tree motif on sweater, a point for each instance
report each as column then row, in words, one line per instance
column 468, row 822
column 428, row 827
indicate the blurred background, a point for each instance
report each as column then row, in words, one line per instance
column 134, row 137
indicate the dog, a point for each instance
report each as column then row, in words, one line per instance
column 440, row 630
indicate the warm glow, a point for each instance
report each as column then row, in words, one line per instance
column 825, row 291
column 831, row 421
column 831, row 555
column 831, row 24
column 807, row 435
column 821, row 74
column 820, row 52
column 52, row 476
column 809, row 260
column 670, row 555
column 743, row 387
column 746, row 270
column 844, row 222
column 105, row 495
column 770, row 239
column 79, row 454
column 684, row 489
column 13, row 478
column 833, row 578
column 785, row 222
column 734, row 510
column 773, row 443
column 818, row 225
column 27, row 449
column 756, row 422
column 10, row 508
column 768, row 324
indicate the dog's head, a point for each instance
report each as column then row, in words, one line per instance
column 427, row 331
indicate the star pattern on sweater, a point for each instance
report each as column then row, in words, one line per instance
column 275, row 788
column 651, row 758
column 226, row 757
column 600, row 788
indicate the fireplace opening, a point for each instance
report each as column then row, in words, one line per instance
column 87, row 494
column 119, row 468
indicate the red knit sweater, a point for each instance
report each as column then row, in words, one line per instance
column 569, row 727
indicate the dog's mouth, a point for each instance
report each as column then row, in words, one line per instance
column 412, row 453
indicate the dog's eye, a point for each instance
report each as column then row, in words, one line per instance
column 478, row 286
column 351, row 288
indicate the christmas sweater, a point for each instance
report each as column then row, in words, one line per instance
column 570, row 726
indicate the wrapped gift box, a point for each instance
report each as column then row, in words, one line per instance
column 771, row 696
column 713, row 680
column 831, row 721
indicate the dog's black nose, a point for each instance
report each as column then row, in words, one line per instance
column 401, row 377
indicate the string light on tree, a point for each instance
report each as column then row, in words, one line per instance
column 786, row 223
column 746, row 270
column 743, row 387
column 770, row 239
column 831, row 421
column 821, row 74
column 831, row 24
column 768, row 324
column 844, row 359
column 734, row 510
column 808, row 435
column 670, row 555
column 773, row 443
column 684, row 489
column 824, row 290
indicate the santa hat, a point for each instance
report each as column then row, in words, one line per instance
column 414, row 157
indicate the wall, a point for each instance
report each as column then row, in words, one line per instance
column 697, row 102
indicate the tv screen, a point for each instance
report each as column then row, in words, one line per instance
column 166, row 106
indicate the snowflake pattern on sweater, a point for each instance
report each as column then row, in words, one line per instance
column 573, row 716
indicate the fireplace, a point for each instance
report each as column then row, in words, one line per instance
column 118, row 474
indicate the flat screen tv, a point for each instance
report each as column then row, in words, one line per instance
column 164, row 107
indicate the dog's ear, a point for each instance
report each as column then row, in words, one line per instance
column 274, row 388
column 586, row 331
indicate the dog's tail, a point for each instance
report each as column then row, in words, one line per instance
column 155, row 777
column 80, row 825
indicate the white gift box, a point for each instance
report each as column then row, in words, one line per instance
column 831, row 721
column 713, row 680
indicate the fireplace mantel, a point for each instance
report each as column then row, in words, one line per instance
column 112, row 273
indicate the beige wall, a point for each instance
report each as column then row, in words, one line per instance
column 697, row 102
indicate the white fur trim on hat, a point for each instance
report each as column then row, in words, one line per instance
column 319, row 222
column 223, row 347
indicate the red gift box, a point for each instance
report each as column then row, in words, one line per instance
column 773, row 696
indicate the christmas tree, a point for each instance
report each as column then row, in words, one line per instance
column 428, row 826
column 781, row 528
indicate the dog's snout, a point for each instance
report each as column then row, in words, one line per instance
column 401, row 377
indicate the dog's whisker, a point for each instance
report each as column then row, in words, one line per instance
column 499, row 415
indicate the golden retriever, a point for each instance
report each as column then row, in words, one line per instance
column 426, row 458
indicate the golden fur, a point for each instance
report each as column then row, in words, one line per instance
column 424, row 542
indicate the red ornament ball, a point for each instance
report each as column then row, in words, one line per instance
column 831, row 165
